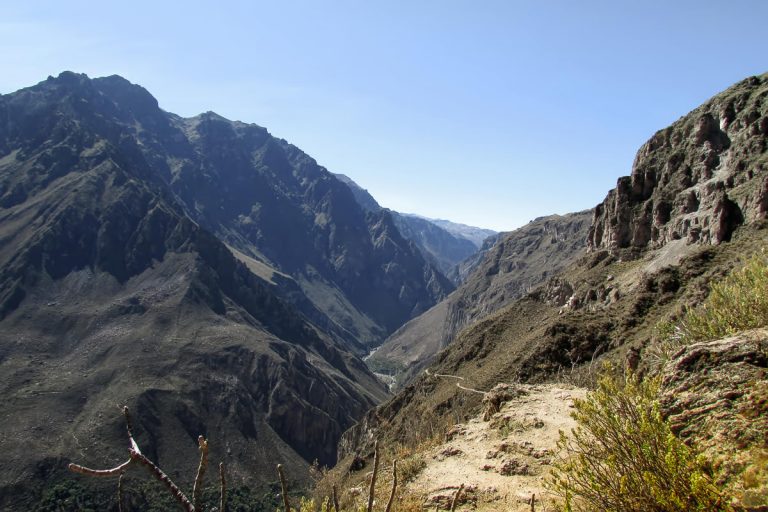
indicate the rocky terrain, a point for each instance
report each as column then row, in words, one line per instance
column 506, row 270
column 693, row 207
column 210, row 276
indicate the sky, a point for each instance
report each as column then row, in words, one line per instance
column 489, row 113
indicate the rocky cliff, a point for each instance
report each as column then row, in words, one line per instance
column 697, row 180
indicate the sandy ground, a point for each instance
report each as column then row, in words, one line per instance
column 502, row 462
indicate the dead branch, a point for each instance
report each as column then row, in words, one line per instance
column 335, row 499
column 120, row 492
column 76, row 468
column 456, row 498
column 373, row 477
column 222, row 488
column 197, row 490
column 161, row 476
column 129, row 428
column 283, row 488
column 394, row 486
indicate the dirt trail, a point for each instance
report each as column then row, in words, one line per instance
column 501, row 462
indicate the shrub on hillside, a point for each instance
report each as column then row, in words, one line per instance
column 737, row 303
column 623, row 457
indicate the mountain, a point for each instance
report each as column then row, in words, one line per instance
column 506, row 270
column 443, row 243
column 362, row 196
column 439, row 246
column 474, row 234
column 210, row 276
column 693, row 207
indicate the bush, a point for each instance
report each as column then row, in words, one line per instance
column 737, row 303
column 623, row 457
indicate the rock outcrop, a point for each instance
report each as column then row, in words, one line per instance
column 715, row 395
column 697, row 180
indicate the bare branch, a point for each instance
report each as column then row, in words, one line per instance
column 394, row 486
column 76, row 468
column 129, row 428
column 120, row 492
column 222, row 488
column 197, row 490
column 336, row 499
column 456, row 498
column 283, row 488
column 158, row 473
column 373, row 477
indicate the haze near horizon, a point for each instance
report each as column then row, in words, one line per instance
column 488, row 115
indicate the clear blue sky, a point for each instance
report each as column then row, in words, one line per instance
column 489, row 113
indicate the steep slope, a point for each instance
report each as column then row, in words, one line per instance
column 611, row 299
column 436, row 244
column 516, row 263
column 444, row 248
column 110, row 294
column 273, row 204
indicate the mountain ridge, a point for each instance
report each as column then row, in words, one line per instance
column 204, row 273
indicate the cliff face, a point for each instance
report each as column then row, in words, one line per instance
column 697, row 180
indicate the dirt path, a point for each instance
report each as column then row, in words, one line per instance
column 501, row 462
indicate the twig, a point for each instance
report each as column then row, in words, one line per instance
column 197, row 490
column 394, row 486
column 456, row 498
column 222, row 487
column 129, row 428
column 335, row 499
column 533, row 502
column 76, row 468
column 283, row 488
column 120, row 492
column 158, row 473
column 373, row 477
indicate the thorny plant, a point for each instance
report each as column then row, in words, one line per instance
column 195, row 505
column 135, row 456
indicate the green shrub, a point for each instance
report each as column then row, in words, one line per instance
column 737, row 303
column 623, row 457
